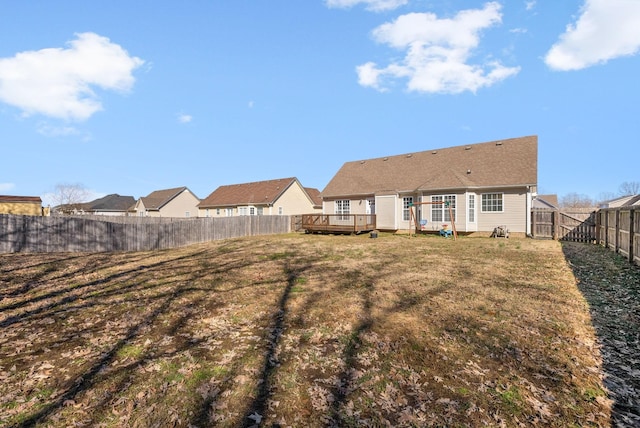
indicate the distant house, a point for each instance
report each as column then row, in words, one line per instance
column 482, row 185
column 176, row 202
column 623, row 201
column 546, row 202
column 284, row 196
column 110, row 205
column 22, row 205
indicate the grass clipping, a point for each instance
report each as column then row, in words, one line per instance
column 300, row 330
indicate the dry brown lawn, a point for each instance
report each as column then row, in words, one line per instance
column 300, row 330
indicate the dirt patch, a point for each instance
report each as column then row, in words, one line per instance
column 301, row 330
column 612, row 287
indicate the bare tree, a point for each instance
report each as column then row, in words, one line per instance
column 605, row 196
column 629, row 188
column 575, row 200
column 68, row 197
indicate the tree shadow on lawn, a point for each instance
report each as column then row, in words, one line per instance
column 611, row 286
column 171, row 299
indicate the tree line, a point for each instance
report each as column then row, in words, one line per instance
column 576, row 200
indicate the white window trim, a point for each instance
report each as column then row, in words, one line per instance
column 442, row 208
column 408, row 208
column 482, row 210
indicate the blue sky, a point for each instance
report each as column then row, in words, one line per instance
column 129, row 97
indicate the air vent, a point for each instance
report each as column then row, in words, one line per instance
column 385, row 159
column 498, row 143
column 434, row 152
column 409, row 155
column 468, row 148
column 361, row 162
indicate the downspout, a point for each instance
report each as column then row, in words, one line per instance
column 529, row 204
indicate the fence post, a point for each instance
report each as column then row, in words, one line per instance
column 617, row 231
column 533, row 224
column 554, row 224
column 631, row 233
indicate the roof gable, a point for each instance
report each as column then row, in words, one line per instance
column 502, row 163
column 546, row 201
column 254, row 193
column 159, row 198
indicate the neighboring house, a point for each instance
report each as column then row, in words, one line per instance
column 485, row 185
column 546, row 202
column 284, row 196
column 110, row 205
column 623, row 201
column 177, row 202
column 22, row 205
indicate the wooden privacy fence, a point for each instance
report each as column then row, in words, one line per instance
column 619, row 230
column 103, row 233
column 578, row 225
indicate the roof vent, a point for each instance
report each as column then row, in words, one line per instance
column 361, row 162
column 468, row 171
column 468, row 148
column 385, row 159
column 409, row 155
column 498, row 143
column 434, row 152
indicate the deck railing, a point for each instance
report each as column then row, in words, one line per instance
column 338, row 223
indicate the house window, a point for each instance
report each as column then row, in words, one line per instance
column 242, row 210
column 440, row 211
column 492, row 202
column 252, row 210
column 342, row 209
column 407, row 203
column 472, row 208
column 259, row 210
column 217, row 211
column 140, row 213
column 187, row 214
column 280, row 211
column 229, row 212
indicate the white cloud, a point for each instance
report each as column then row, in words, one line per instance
column 6, row 186
column 372, row 5
column 437, row 52
column 58, row 82
column 529, row 5
column 605, row 29
column 184, row 118
column 57, row 131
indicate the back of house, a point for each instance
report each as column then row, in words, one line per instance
column 478, row 186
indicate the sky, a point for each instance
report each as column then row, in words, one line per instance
column 130, row 97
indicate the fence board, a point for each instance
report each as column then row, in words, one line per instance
column 567, row 225
column 103, row 233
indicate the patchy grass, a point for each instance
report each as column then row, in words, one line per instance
column 300, row 330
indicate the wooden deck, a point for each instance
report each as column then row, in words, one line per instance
column 338, row 223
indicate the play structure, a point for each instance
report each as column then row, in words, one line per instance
column 444, row 231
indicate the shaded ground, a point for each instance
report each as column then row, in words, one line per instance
column 301, row 330
column 612, row 287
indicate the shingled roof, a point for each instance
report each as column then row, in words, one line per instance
column 113, row 202
column 159, row 198
column 503, row 163
column 254, row 193
column 15, row 199
column 314, row 194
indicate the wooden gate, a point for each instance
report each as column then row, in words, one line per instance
column 575, row 224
